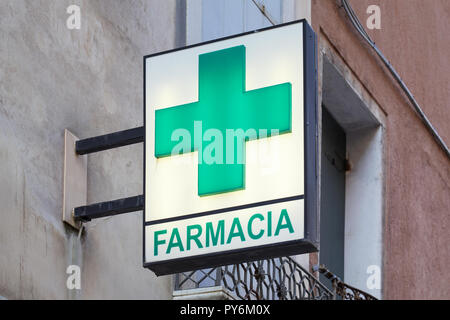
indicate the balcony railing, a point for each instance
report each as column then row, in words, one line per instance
column 341, row 289
column 271, row 279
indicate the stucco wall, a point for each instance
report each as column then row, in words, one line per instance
column 89, row 81
column 417, row 204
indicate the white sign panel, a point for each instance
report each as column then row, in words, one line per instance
column 226, row 168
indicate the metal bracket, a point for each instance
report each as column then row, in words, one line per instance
column 109, row 208
column 75, row 209
column 110, row 141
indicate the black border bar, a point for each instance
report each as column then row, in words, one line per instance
column 222, row 210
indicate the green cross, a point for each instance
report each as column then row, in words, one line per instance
column 223, row 104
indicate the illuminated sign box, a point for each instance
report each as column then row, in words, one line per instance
column 230, row 150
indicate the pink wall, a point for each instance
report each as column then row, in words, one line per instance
column 415, row 38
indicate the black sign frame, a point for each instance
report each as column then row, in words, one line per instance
column 310, row 242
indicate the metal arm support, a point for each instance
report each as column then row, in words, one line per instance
column 110, row 141
column 101, row 143
column 109, row 208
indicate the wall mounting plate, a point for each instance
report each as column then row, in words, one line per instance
column 75, row 180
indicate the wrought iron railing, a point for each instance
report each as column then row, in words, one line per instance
column 272, row 279
column 341, row 289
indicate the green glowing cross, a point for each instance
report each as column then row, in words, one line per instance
column 224, row 105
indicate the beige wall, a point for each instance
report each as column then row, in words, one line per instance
column 89, row 81
column 417, row 204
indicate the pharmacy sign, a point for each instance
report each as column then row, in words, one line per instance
column 230, row 131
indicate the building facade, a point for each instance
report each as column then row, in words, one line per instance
column 383, row 180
